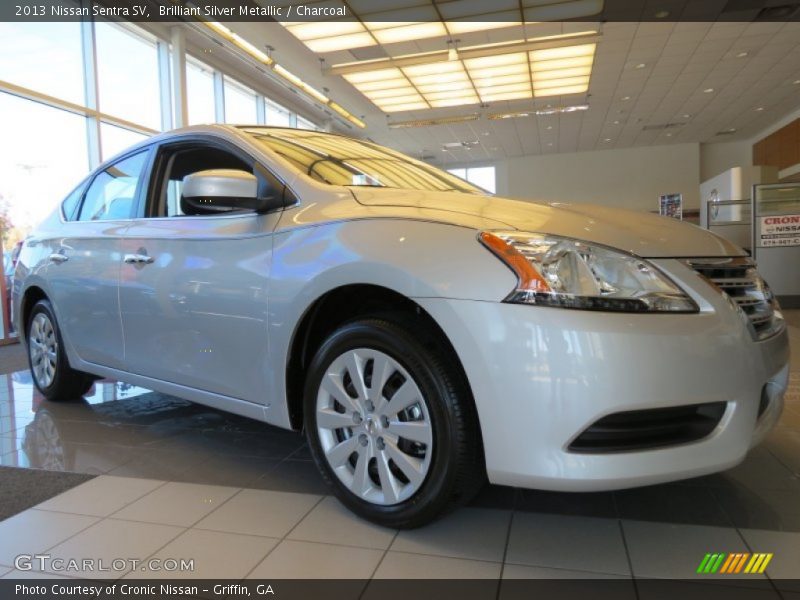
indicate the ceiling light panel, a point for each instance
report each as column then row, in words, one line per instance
column 560, row 70
column 563, row 63
column 341, row 42
column 561, row 91
column 434, row 68
column 405, row 89
column 506, row 96
column 499, row 60
column 405, row 107
column 413, row 97
column 460, row 101
column 370, row 76
column 437, row 88
column 581, row 50
column 471, row 26
column 321, row 29
column 383, row 84
column 561, row 73
column 564, row 82
column 503, row 80
column 518, row 69
column 408, row 33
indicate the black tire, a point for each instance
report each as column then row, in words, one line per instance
column 456, row 470
column 66, row 383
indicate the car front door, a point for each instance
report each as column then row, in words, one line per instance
column 84, row 268
column 194, row 287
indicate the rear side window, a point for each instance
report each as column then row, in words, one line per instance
column 70, row 204
column 112, row 194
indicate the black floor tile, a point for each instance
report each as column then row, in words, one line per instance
column 589, row 504
column 672, row 503
column 299, row 476
column 495, row 496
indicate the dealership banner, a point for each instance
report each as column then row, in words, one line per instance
column 388, row 11
column 779, row 230
column 394, row 589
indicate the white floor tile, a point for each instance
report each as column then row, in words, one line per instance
column 307, row 560
column 560, row 583
column 216, row 555
column 101, row 496
column 528, row 572
column 474, row 533
column 399, row 565
column 783, row 567
column 180, row 504
column 34, row 531
column 663, row 550
column 567, row 542
column 332, row 523
column 111, row 539
column 260, row 512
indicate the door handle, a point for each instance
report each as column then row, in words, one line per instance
column 138, row 259
column 58, row 258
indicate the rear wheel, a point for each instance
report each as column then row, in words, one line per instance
column 52, row 375
column 390, row 423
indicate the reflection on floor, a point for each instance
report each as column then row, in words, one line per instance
column 175, row 453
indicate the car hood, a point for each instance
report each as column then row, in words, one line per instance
column 644, row 234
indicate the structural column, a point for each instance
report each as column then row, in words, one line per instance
column 179, row 95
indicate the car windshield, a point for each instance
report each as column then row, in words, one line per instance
column 339, row 160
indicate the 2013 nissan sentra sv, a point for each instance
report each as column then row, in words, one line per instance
column 423, row 333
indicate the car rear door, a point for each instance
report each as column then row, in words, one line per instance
column 84, row 269
column 194, row 288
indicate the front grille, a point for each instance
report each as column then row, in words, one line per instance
column 738, row 278
column 648, row 429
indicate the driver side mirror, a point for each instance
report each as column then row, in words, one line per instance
column 220, row 191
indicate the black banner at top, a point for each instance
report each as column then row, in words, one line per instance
column 406, row 11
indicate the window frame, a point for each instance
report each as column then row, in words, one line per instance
column 157, row 173
column 144, row 178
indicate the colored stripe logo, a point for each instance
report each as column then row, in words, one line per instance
column 733, row 563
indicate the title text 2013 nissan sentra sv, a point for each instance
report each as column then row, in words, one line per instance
column 422, row 333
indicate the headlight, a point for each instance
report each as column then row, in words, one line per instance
column 568, row 273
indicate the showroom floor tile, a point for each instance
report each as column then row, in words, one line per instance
column 216, row 555
column 399, row 565
column 260, row 512
column 111, row 539
column 245, row 500
column 40, row 530
column 331, row 523
column 257, row 534
column 568, row 542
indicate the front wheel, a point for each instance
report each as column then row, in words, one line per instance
column 52, row 375
column 390, row 423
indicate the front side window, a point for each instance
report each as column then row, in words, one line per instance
column 338, row 160
column 112, row 194
column 186, row 162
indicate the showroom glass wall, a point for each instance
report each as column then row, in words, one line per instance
column 61, row 127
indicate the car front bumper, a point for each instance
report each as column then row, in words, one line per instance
column 540, row 376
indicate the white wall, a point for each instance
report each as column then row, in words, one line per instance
column 628, row 178
column 718, row 158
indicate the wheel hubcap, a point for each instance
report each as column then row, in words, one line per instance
column 43, row 348
column 374, row 426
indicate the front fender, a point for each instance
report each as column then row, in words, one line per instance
column 414, row 258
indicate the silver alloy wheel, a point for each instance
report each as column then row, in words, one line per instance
column 374, row 427
column 43, row 348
